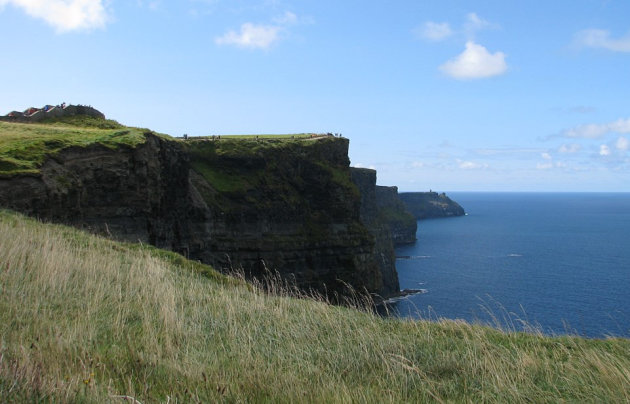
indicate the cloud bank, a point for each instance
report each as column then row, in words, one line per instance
column 64, row 15
column 475, row 63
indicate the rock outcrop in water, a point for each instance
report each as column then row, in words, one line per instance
column 429, row 205
column 282, row 205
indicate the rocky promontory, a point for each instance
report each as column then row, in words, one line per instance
column 430, row 205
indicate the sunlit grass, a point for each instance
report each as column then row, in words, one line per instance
column 25, row 146
column 83, row 319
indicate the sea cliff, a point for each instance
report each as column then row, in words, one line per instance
column 402, row 223
column 286, row 205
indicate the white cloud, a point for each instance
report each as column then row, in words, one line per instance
column 474, row 24
column 418, row 164
column 470, row 165
column 508, row 151
column 622, row 144
column 435, row 31
column 590, row 131
column 546, row 156
column 65, row 15
column 604, row 150
column 548, row 165
column 360, row 165
column 569, row 148
column 288, row 18
column 259, row 36
column 599, row 38
column 595, row 131
column 152, row 5
column 475, row 63
column 251, row 36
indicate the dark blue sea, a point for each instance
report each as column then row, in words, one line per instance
column 558, row 263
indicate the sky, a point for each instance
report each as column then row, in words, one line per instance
column 445, row 95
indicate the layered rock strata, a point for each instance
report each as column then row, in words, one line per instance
column 259, row 206
column 370, row 215
column 402, row 224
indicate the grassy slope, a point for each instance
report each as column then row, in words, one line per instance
column 24, row 146
column 87, row 319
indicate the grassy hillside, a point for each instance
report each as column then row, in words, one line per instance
column 83, row 319
column 24, row 146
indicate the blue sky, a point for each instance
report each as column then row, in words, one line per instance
column 444, row 95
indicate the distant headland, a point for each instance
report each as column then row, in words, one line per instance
column 430, row 205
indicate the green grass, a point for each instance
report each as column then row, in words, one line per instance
column 239, row 165
column 84, row 319
column 291, row 136
column 25, row 146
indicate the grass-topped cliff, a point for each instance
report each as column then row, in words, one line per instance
column 85, row 319
column 25, row 146
column 260, row 202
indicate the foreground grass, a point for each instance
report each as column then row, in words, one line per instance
column 83, row 319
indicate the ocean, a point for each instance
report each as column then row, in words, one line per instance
column 558, row 263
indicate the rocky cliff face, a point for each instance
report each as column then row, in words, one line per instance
column 281, row 205
column 365, row 180
column 286, row 206
column 402, row 223
column 135, row 193
column 429, row 205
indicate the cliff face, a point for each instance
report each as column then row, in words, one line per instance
column 402, row 223
column 134, row 193
column 383, row 253
column 429, row 205
column 281, row 205
column 286, row 206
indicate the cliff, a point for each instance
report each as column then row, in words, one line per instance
column 429, row 205
column 402, row 224
column 285, row 205
column 378, row 226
